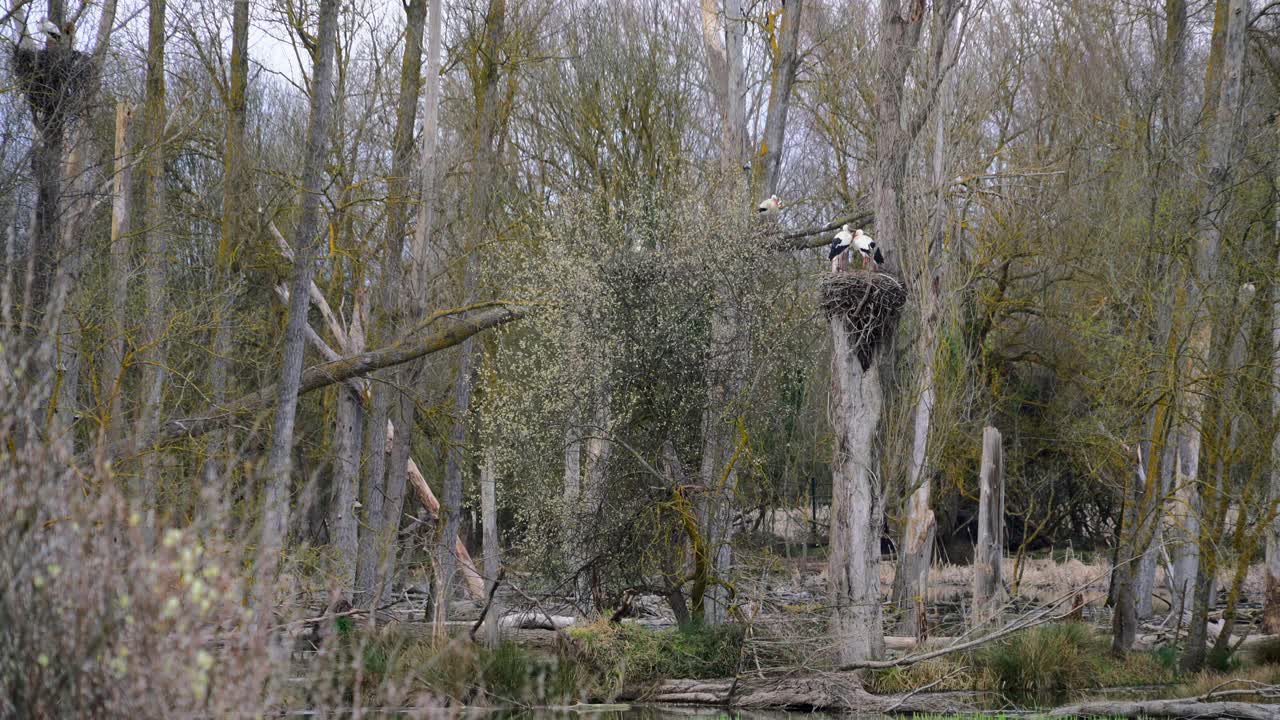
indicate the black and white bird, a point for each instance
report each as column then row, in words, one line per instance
column 53, row 32
column 867, row 246
column 839, row 245
column 769, row 207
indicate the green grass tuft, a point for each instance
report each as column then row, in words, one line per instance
column 1044, row 664
column 621, row 655
column 1267, row 652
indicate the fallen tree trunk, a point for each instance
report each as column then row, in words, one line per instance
column 537, row 620
column 1179, row 708
column 454, row 330
column 472, row 579
column 831, row 692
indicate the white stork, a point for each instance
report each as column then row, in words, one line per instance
column 867, row 246
column 839, row 245
column 769, row 207
column 51, row 31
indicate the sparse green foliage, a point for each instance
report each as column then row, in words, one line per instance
column 627, row 655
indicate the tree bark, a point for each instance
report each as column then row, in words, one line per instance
column 236, row 187
column 46, row 170
column 1271, row 605
column 492, row 561
column 911, row 582
column 452, row 332
column 857, row 503
column 782, row 76
column 988, row 555
column 155, row 217
column 470, row 576
column 112, row 377
column 488, row 124
column 722, row 30
column 275, row 512
column 384, row 485
column 1224, row 82
column 348, row 440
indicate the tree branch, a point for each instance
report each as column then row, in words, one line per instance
column 452, row 331
column 804, row 239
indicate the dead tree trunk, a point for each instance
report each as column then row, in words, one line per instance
column 862, row 309
column 911, row 581
column 112, row 378
column 782, row 76
column 573, row 506
column 492, row 561
column 988, row 582
column 1142, row 516
column 275, row 513
column 857, row 503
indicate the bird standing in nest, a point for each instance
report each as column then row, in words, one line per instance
column 50, row 30
column 867, row 246
column 839, row 246
column 769, row 207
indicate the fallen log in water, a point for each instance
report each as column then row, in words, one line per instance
column 830, row 691
column 536, row 621
column 1180, row 708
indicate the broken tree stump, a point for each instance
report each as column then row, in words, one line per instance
column 988, row 585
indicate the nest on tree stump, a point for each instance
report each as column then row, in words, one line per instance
column 868, row 303
column 57, row 82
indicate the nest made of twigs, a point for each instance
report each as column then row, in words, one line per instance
column 57, row 82
column 868, row 302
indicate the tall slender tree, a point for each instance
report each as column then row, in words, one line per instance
column 275, row 510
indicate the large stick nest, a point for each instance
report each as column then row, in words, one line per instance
column 57, row 82
column 869, row 303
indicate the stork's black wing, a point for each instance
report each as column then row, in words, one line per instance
column 836, row 249
column 879, row 258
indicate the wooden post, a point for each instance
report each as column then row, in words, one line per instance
column 988, row 586
column 489, row 523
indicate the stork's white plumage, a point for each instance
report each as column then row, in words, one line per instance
column 839, row 245
column 48, row 28
column 770, row 206
column 867, row 246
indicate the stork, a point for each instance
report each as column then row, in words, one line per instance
column 49, row 29
column 839, row 246
column 867, row 246
column 769, row 207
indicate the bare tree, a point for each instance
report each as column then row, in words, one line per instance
column 275, row 513
column 488, row 125
column 1224, row 89
column 156, row 219
column 384, row 485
